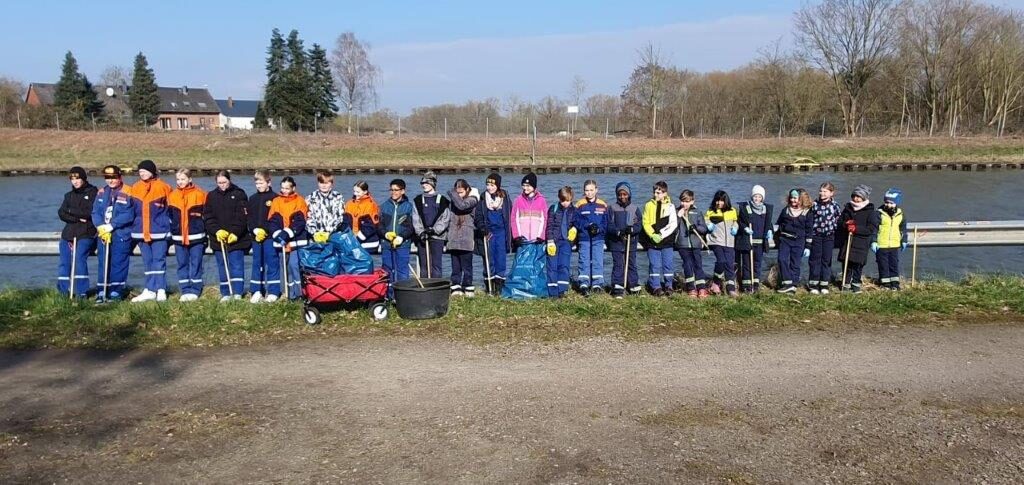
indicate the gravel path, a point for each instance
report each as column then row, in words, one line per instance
column 890, row 405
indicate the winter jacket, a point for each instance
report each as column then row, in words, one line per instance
column 185, row 208
column 867, row 228
column 892, row 229
column 759, row 223
column 493, row 221
column 288, row 214
column 588, row 213
column 78, row 205
column 117, row 208
column 623, row 220
column 396, row 217
column 363, row 216
column 326, row 211
column 258, row 208
column 226, row 209
column 462, row 228
column 433, row 211
column 530, row 217
column 826, row 217
column 796, row 227
column 151, row 221
column 659, row 219
column 560, row 219
column 724, row 222
column 691, row 229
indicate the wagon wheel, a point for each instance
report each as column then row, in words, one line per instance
column 379, row 311
column 311, row 315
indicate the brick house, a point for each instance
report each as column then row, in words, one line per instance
column 181, row 108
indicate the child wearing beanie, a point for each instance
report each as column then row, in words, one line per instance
column 858, row 231
column 891, row 239
column 755, row 230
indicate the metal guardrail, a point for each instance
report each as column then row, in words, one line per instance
column 922, row 234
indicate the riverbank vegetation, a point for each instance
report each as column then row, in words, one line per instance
column 38, row 318
column 49, row 150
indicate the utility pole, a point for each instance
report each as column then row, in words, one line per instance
column 606, row 128
column 487, row 127
column 445, row 127
column 399, row 127
column 57, row 114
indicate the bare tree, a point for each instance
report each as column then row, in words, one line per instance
column 115, row 76
column 12, row 93
column 774, row 71
column 1001, row 62
column 848, row 39
column 355, row 75
column 650, row 61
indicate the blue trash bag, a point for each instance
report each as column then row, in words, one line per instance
column 528, row 277
column 320, row 259
column 353, row 258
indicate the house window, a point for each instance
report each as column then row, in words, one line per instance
column 173, row 104
column 202, row 123
column 202, row 105
column 182, row 123
column 165, row 123
column 187, row 103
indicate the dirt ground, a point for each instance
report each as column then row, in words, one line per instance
column 909, row 404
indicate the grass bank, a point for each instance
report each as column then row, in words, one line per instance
column 45, row 150
column 41, row 319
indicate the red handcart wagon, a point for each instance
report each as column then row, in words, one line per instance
column 322, row 292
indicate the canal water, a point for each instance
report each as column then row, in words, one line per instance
column 29, row 203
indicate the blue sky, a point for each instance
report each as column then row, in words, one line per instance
column 429, row 52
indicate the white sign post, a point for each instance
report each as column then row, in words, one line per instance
column 575, row 112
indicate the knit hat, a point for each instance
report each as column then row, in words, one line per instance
column 430, row 179
column 530, row 179
column 894, row 195
column 149, row 166
column 495, row 179
column 78, row 172
column 862, row 191
column 111, row 172
column 758, row 190
column 619, row 187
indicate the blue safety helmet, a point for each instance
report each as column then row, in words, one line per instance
column 894, row 195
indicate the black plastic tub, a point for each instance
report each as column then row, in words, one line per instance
column 430, row 301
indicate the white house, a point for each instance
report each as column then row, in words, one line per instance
column 237, row 114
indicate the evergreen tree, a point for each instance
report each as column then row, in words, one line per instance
column 260, row 121
column 322, row 83
column 297, row 92
column 144, row 100
column 277, row 61
column 74, row 94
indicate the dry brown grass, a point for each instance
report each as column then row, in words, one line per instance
column 42, row 150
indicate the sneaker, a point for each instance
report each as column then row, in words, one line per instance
column 692, row 293
column 585, row 291
column 236, row 297
column 457, row 293
column 658, row 292
column 271, row 298
column 100, row 300
column 161, row 295
column 225, row 298
column 669, row 291
column 469, row 293
column 187, row 297
column 715, row 289
column 814, row 291
column 703, row 293
column 618, row 293
column 146, row 295
column 824, row 291
column 597, row 290
column 256, row 297
column 733, row 293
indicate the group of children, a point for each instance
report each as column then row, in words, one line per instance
column 464, row 222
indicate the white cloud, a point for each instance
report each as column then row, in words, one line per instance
column 532, row 67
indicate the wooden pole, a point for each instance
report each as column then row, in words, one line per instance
column 846, row 262
column 913, row 266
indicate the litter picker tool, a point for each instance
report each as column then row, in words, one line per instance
column 416, row 274
column 106, row 271
column 751, row 236
column 846, row 261
column 284, row 268
column 227, row 272
column 625, row 271
column 487, row 264
column 74, row 259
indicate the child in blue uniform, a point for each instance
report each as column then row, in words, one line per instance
column 494, row 212
column 560, row 235
column 624, row 226
column 795, row 237
column 755, row 230
column 265, row 283
column 689, row 243
column 113, row 214
column 591, row 225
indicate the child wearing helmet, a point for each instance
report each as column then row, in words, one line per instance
column 891, row 239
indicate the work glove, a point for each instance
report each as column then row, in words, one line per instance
column 711, row 227
column 520, row 240
column 656, row 238
column 232, row 238
column 770, row 235
column 281, row 237
column 552, row 250
column 397, row 241
column 807, row 253
column 104, row 229
column 260, row 234
column 221, row 235
column 874, row 247
column 748, row 230
column 903, row 247
column 320, row 237
column 851, row 226
column 733, row 231
column 593, row 230
column 484, row 232
column 572, row 233
column 429, row 232
column 106, row 237
column 390, row 235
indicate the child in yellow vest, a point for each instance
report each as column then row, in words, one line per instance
column 891, row 239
